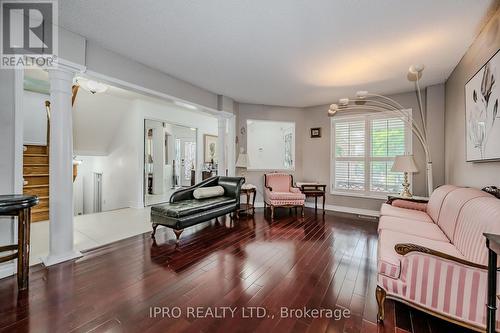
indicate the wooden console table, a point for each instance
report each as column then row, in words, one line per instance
column 20, row 206
column 314, row 190
column 493, row 244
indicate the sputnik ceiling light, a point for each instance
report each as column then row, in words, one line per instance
column 370, row 102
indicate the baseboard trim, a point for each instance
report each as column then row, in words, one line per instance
column 7, row 269
column 335, row 208
column 53, row 260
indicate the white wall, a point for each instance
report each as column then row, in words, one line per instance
column 458, row 170
column 8, row 159
column 35, row 118
column 122, row 160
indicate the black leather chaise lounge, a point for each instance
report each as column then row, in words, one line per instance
column 184, row 210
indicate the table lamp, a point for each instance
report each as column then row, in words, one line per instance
column 242, row 161
column 406, row 164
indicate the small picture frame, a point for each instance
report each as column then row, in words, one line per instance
column 316, row 132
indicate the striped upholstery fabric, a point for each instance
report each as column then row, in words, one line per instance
column 387, row 255
column 478, row 216
column 415, row 228
column 446, row 287
column 436, row 200
column 452, row 206
column 454, row 290
column 407, row 214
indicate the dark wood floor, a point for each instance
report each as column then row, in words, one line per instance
column 313, row 262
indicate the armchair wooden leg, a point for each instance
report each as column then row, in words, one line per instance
column 272, row 213
column 154, row 230
column 302, row 211
column 380, row 295
column 178, row 234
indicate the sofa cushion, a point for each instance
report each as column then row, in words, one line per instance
column 208, row 192
column 191, row 206
column 410, row 214
column 412, row 227
column 436, row 200
column 272, row 195
column 477, row 216
column 389, row 262
column 409, row 204
column 452, row 206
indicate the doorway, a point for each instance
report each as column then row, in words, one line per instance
column 169, row 159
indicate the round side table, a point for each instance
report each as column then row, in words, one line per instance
column 20, row 206
column 248, row 208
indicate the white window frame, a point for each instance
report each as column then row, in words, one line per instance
column 367, row 193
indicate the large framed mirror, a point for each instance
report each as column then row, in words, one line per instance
column 270, row 145
column 169, row 159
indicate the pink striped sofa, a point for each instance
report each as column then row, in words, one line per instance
column 433, row 256
column 280, row 192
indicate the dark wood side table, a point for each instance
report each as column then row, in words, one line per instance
column 314, row 190
column 493, row 244
column 20, row 206
column 248, row 208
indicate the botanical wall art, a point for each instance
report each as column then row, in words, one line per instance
column 210, row 148
column 482, row 119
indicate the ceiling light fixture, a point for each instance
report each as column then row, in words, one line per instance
column 92, row 86
column 369, row 102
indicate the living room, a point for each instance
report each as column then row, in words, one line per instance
column 331, row 168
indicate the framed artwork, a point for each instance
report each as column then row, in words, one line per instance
column 316, row 132
column 210, row 148
column 482, row 120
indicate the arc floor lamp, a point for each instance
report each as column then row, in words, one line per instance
column 366, row 101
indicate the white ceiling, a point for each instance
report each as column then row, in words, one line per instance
column 285, row 52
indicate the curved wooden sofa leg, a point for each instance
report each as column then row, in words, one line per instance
column 302, row 211
column 154, row 230
column 178, row 234
column 380, row 295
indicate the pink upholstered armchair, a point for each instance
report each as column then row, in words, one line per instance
column 280, row 192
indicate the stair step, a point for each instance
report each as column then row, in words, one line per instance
column 35, row 159
column 35, row 149
column 41, row 215
column 43, row 202
column 36, row 169
column 42, row 179
column 38, row 190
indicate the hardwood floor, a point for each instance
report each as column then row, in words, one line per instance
column 313, row 262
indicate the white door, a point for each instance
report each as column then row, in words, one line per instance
column 188, row 160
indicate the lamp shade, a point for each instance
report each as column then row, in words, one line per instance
column 404, row 163
column 242, row 161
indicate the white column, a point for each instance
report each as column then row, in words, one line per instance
column 221, row 146
column 61, row 168
column 231, row 146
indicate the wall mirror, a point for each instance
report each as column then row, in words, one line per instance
column 169, row 159
column 270, row 145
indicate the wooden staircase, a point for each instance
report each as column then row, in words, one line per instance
column 36, row 179
column 36, row 170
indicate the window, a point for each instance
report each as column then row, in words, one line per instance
column 364, row 147
column 270, row 145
